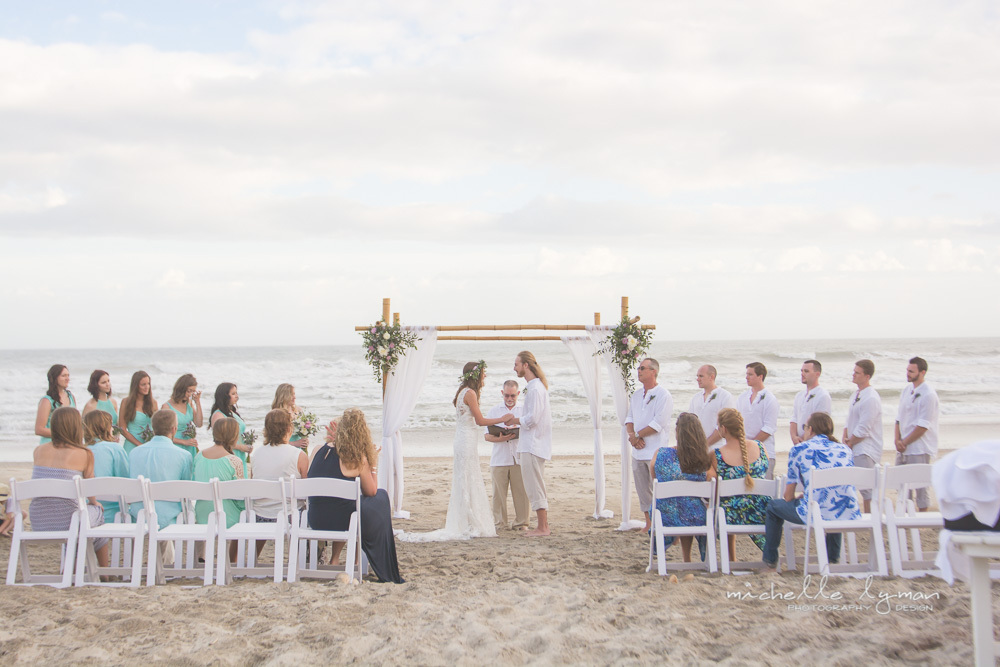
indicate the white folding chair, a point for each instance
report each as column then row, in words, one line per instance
column 902, row 517
column 980, row 547
column 676, row 489
column 124, row 491
column 248, row 530
column 63, row 489
column 728, row 488
column 184, row 530
column 859, row 478
column 328, row 487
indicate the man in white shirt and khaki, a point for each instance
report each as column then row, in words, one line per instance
column 504, row 467
column 916, row 427
column 535, row 441
column 813, row 398
column 759, row 408
column 649, row 412
column 707, row 403
column 863, row 433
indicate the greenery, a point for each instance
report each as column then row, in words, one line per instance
column 249, row 437
column 385, row 345
column 627, row 344
column 146, row 435
column 476, row 372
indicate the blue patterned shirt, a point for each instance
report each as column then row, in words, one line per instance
column 835, row 502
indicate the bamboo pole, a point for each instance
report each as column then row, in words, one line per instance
column 624, row 307
column 597, row 318
column 499, row 338
column 385, row 369
column 518, row 327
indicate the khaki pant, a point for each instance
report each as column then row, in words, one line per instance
column 532, row 468
column 923, row 497
column 643, row 483
column 864, row 461
column 504, row 477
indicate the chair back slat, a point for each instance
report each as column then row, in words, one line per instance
column 737, row 487
column 112, row 488
column 860, row 478
column 912, row 475
column 324, row 486
column 242, row 489
column 29, row 489
column 179, row 490
column 680, row 488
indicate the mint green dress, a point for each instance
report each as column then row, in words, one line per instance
column 242, row 456
column 138, row 424
column 183, row 419
column 227, row 468
column 109, row 407
column 52, row 408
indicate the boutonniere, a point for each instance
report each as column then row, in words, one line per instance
column 915, row 397
column 525, row 391
column 712, row 397
column 811, row 396
column 857, row 398
column 651, row 397
column 761, row 396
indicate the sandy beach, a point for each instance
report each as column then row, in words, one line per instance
column 580, row 596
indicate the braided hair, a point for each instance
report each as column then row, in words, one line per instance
column 732, row 421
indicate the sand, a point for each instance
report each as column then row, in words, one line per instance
column 580, row 596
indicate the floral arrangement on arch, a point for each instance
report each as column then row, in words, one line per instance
column 385, row 345
column 627, row 344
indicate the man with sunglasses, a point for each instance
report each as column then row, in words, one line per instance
column 649, row 412
column 504, row 465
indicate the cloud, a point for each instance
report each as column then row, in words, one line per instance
column 943, row 255
column 866, row 262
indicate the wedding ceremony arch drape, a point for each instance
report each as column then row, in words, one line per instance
column 583, row 349
column 401, row 391
column 620, row 394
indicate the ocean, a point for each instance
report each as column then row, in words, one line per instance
column 328, row 379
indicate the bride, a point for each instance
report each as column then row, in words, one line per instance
column 469, row 513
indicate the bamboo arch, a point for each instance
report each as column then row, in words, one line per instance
column 386, row 310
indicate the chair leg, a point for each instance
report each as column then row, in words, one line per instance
column 135, row 556
column 821, row 555
column 896, row 536
column 852, row 545
column 918, row 548
column 279, row 557
column 351, row 555
column 81, row 559
column 710, row 537
column 789, row 548
column 723, row 545
column 293, row 558
column 15, row 550
column 221, row 571
column 152, row 560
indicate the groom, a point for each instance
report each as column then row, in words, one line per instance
column 535, row 442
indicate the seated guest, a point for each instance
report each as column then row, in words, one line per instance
column 110, row 459
column 276, row 459
column 159, row 460
column 736, row 459
column 690, row 460
column 65, row 457
column 221, row 463
column 819, row 450
column 349, row 454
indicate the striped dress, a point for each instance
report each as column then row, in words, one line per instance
column 57, row 513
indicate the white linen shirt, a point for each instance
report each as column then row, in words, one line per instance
column 761, row 416
column 864, row 420
column 536, row 422
column 651, row 408
column 919, row 407
column 504, row 453
column 707, row 408
column 807, row 402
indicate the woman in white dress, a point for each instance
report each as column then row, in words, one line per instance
column 469, row 513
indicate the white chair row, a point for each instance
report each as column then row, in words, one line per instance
column 127, row 535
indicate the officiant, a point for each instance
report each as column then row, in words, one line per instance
column 504, row 465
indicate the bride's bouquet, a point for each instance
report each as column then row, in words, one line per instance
column 305, row 424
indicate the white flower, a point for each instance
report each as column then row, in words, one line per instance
column 632, row 342
column 382, row 351
column 385, row 336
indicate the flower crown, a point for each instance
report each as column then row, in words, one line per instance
column 475, row 373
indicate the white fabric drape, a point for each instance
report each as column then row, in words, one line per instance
column 583, row 351
column 402, row 389
column 620, row 393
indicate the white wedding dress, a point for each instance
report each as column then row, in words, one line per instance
column 469, row 513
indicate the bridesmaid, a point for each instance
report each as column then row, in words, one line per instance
column 110, row 460
column 137, row 410
column 284, row 399
column 185, row 400
column 100, row 388
column 57, row 396
column 224, row 407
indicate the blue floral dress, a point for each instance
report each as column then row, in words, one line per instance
column 683, row 511
column 745, row 510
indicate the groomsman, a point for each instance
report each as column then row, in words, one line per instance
column 917, row 418
column 504, row 468
column 647, row 425
column 864, row 422
column 535, row 441
column 759, row 408
column 813, row 398
column 708, row 402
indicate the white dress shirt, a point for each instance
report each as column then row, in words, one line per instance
column 651, row 408
column 864, row 420
column 918, row 406
column 761, row 416
column 807, row 402
column 536, row 422
column 707, row 405
column 504, row 453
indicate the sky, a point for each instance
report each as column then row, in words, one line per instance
column 264, row 173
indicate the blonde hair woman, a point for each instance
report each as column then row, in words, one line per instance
column 734, row 459
column 350, row 454
column 284, row 399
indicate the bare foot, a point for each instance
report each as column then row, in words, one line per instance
column 538, row 533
